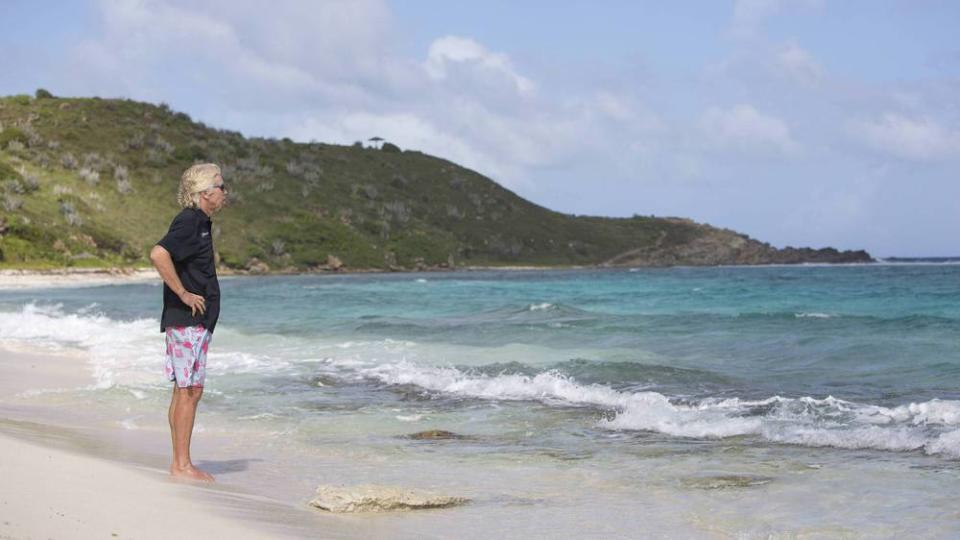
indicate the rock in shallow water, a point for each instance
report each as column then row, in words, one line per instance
column 434, row 435
column 726, row 481
column 373, row 498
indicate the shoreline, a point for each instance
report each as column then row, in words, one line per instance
column 285, row 415
column 22, row 278
column 73, row 277
column 67, row 474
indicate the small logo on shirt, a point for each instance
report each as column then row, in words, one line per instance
column 204, row 234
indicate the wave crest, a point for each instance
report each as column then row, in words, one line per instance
column 804, row 421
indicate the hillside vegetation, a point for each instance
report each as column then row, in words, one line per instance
column 92, row 182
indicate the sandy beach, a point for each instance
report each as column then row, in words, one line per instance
column 54, row 493
column 65, row 476
column 73, row 277
column 70, row 473
column 73, row 473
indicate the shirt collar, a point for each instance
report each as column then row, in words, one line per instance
column 203, row 215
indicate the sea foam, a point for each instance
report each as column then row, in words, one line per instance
column 805, row 421
column 129, row 354
column 123, row 353
column 113, row 345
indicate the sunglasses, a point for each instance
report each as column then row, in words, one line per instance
column 222, row 187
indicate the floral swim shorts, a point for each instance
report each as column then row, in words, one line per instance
column 186, row 361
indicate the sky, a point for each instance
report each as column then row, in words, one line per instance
column 798, row 122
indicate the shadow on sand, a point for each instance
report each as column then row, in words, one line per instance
column 225, row 466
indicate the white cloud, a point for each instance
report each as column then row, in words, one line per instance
column 919, row 139
column 749, row 15
column 286, row 51
column 744, row 128
column 451, row 53
column 797, row 64
column 614, row 106
column 329, row 71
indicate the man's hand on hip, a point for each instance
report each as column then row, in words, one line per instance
column 194, row 301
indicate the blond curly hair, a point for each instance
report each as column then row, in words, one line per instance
column 195, row 181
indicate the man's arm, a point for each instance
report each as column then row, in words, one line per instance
column 162, row 261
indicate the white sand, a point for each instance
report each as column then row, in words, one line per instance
column 61, row 480
column 73, row 277
column 51, row 493
column 56, row 483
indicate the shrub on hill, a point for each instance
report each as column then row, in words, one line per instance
column 8, row 173
column 12, row 134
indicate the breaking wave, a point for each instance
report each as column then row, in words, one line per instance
column 929, row 426
column 129, row 354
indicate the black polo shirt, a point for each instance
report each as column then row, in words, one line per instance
column 190, row 243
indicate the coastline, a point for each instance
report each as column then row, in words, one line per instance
column 91, row 277
column 12, row 279
column 277, row 425
column 73, row 277
column 67, row 474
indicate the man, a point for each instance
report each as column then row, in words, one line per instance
column 191, row 303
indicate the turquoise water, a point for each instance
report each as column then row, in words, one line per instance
column 674, row 377
column 873, row 336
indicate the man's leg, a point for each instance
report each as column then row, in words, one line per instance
column 173, row 431
column 183, row 410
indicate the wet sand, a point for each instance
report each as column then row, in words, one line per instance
column 67, row 476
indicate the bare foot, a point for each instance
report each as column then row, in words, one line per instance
column 190, row 473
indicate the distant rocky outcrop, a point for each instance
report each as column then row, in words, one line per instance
column 374, row 498
column 713, row 246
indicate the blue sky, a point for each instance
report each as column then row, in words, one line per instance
column 798, row 122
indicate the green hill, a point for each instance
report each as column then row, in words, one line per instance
column 92, row 182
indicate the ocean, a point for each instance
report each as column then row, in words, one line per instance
column 782, row 401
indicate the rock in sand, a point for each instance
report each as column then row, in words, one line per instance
column 374, row 498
